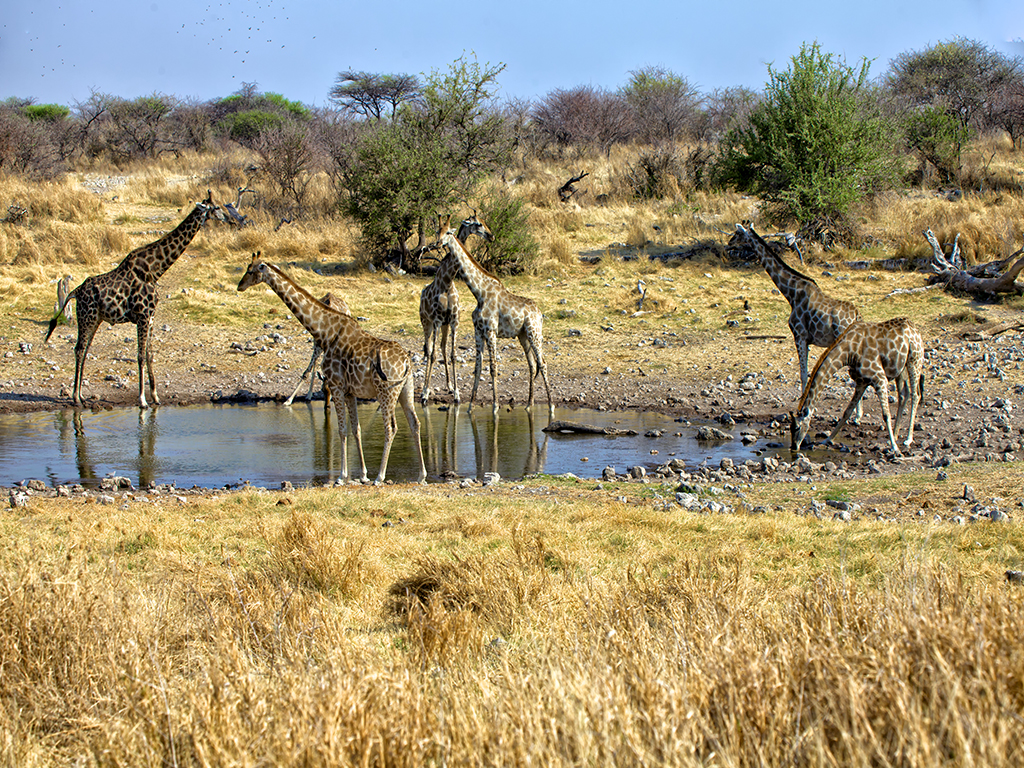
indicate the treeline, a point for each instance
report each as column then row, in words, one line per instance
column 394, row 149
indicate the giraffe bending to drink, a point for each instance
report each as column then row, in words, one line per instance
column 333, row 302
column 439, row 311
column 875, row 354
column 128, row 294
column 355, row 365
column 815, row 318
column 500, row 314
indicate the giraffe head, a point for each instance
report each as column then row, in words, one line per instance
column 210, row 208
column 473, row 226
column 256, row 273
column 799, row 423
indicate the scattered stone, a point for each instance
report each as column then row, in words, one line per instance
column 286, row 486
column 1015, row 577
column 491, row 478
column 609, row 474
column 637, row 472
column 707, row 434
column 106, row 500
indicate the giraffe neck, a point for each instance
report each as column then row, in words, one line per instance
column 476, row 278
column 156, row 258
column 323, row 323
column 831, row 360
column 791, row 284
column 446, row 273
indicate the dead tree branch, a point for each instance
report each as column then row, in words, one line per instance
column 567, row 190
column 981, row 279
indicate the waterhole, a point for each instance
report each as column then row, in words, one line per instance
column 217, row 445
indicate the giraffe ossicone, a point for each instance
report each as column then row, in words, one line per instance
column 128, row 294
column 356, row 365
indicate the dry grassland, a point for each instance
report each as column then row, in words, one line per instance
column 548, row 623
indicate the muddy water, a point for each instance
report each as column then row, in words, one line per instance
column 217, row 445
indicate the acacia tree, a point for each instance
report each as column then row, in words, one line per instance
column 425, row 160
column 960, row 76
column 583, row 119
column 815, row 144
column 663, row 104
column 371, row 95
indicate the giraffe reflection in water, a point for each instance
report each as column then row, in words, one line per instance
column 72, row 431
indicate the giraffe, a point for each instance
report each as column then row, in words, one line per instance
column 500, row 314
column 355, row 365
column 439, row 310
column 339, row 304
column 128, row 294
column 815, row 318
column 875, row 354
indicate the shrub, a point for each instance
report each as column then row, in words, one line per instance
column 816, row 144
column 514, row 249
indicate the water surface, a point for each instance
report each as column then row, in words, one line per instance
column 216, row 445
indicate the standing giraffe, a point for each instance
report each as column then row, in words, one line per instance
column 127, row 294
column 875, row 354
column 333, row 302
column 439, row 310
column 356, row 365
column 815, row 318
column 500, row 315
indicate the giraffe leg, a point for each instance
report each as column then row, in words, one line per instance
column 492, row 343
column 454, row 387
column 479, row 333
column 343, row 428
column 429, row 351
column 149, row 365
column 527, row 344
column 858, row 395
column 142, row 336
column 916, row 394
column 882, row 388
column 353, row 414
column 801, row 353
column 85, row 334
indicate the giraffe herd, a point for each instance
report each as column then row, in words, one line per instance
column 357, row 365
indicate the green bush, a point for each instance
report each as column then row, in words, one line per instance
column 245, row 127
column 52, row 113
column 514, row 249
column 816, row 144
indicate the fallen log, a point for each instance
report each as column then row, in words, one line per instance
column 575, row 428
column 950, row 272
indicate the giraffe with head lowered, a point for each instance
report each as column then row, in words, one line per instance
column 875, row 354
column 499, row 314
column 356, row 365
column 128, row 294
column 334, row 302
column 439, row 311
column 814, row 318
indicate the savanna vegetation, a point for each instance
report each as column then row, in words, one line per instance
column 553, row 621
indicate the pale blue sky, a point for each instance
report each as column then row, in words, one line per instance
column 61, row 50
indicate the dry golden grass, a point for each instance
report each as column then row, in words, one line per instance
column 560, row 625
column 559, row 628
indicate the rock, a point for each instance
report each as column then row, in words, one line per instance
column 18, row 500
column 707, row 434
column 36, row 485
column 106, row 500
column 491, row 478
column 1015, row 577
column 726, row 463
column 609, row 474
column 637, row 472
column 286, row 486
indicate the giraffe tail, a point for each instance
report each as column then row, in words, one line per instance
column 56, row 318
